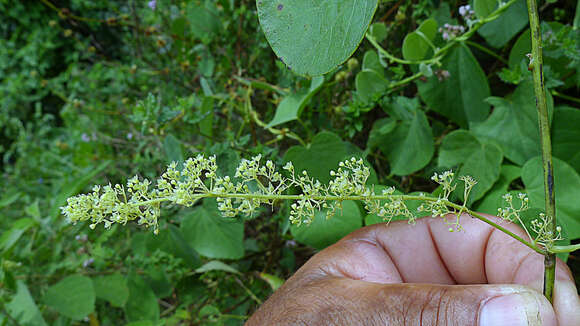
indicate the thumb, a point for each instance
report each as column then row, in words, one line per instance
column 342, row 301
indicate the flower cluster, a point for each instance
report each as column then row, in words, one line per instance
column 441, row 206
column 256, row 183
column 510, row 212
column 543, row 234
column 451, row 31
column 393, row 206
column 467, row 13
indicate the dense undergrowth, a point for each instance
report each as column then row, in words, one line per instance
column 95, row 92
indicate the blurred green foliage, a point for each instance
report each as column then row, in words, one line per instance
column 93, row 92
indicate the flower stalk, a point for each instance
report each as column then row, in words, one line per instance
column 256, row 183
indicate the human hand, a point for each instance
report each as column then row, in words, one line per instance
column 401, row 274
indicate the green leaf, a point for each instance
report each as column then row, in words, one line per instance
column 566, row 185
column 9, row 237
column 73, row 297
column 381, row 128
column 23, row 308
column 172, row 147
column 409, row 146
column 206, row 124
column 369, row 85
column 566, row 135
column 322, row 155
column 480, row 160
column 499, row 32
column 274, row 281
column 493, row 199
column 322, row 232
column 212, row 235
column 212, row 314
column 204, row 21
column 417, row 44
column 9, row 198
column 142, row 304
column 76, row 184
column 159, row 282
column 576, row 23
column 216, row 265
column 372, row 62
column 291, row 106
column 378, row 31
column 172, row 241
column 428, row 28
column 112, row 288
column 141, row 323
column 461, row 96
column 415, row 47
column 312, row 38
column 483, row 8
column 178, row 26
column 443, row 14
column 521, row 47
column 513, row 125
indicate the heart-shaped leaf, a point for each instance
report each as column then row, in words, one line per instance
column 408, row 144
column 513, row 125
column 566, row 135
column 566, row 185
column 500, row 31
column 459, row 90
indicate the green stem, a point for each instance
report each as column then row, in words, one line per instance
column 564, row 96
column 404, row 81
column 486, row 50
column 536, row 66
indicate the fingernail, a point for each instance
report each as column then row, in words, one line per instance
column 513, row 309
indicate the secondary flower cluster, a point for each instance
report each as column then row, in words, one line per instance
column 542, row 233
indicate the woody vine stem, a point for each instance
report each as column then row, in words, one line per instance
column 536, row 66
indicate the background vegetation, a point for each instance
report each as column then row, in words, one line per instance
column 93, row 92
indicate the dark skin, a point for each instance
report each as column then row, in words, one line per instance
column 401, row 274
